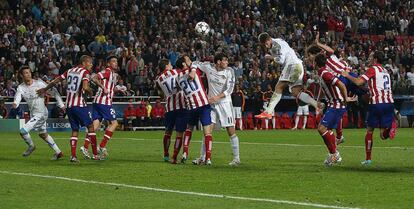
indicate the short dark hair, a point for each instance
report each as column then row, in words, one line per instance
column 108, row 58
column 163, row 64
column 24, row 67
column 219, row 57
column 263, row 37
column 83, row 58
column 320, row 60
column 179, row 62
column 379, row 55
column 313, row 49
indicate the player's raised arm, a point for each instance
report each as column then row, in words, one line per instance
column 323, row 46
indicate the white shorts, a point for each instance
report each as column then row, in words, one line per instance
column 303, row 110
column 223, row 113
column 237, row 112
column 36, row 123
column 293, row 73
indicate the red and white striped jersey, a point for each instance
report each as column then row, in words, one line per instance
column 174, row 98
column 379, row 84
column 109, row 79
column 329, row 86
column 74, row 92
column 193, row 89
column 335, row 65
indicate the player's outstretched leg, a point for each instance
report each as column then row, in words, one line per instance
column 368, row 147
column 177, row 147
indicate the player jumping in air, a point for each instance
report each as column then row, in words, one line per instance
column 292, row 74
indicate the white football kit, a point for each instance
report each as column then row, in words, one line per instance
column 219, row 82
column 36, row 103
column 292, row 67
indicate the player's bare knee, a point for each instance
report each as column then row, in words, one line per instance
column 43, row 135
column 321, row 129
column 23, row 132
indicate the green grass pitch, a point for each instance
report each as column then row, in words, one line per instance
column 280, row 169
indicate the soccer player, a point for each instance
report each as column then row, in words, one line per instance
column 292, row 74
column 38, row 111
column 102, row 105
column 336, row 67
column 198, row 104
column 238, row 100
column 303, row 110
column 381, row 103
column 221, row 82
column 175, row 115
column 77, row 110
column 336, row 94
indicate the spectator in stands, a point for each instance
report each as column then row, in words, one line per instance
column 410, row 77
column 120, row 88
column 238, row 100
column 142, row 115
column 129, row 116
column 157, row 114
column 9, row 91
column 3, row 109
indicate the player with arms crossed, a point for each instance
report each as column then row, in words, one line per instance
column 102, row 105
column 221, row 82
column 292, row 74
column 337, row 96
column 176, row 114
column 38, row 111
column 381, row 103
column 198, row 105
column 77, row 110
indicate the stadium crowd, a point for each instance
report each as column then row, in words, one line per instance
column 51, row 35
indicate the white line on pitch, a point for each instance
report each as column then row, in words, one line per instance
column 178, row 191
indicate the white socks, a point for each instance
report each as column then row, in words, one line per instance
column 235, row 146
column 296, row 121
column 273, row 102
column 304, row 97
column 28, row 139
column 49, row 140
column 203, row 149
column 305, row 121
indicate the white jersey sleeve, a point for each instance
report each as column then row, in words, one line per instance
column 283, row 53
column 230, row 82
column 203, row 66
column 18, row 96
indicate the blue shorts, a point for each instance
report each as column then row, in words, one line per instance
column 352, row 87
column 101, row 111
column 332, row 117
column 177, row 119
column 79, row 117
column 380, row 115
column 202, row 114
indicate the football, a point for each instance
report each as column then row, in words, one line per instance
column 202, row 28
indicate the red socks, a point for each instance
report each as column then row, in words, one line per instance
column 73, row 141
column 92, row 137
column 339, row 130
column 177, row 147
column 187, row 139
column 208, row 140
column 87, row 142
column 368, row 145
column 166, row 142
column 107, row 136
column 329, row 139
